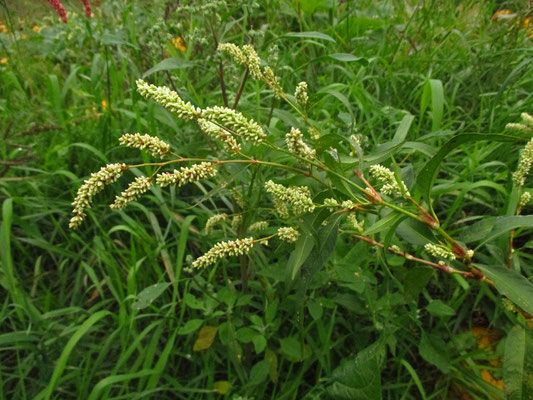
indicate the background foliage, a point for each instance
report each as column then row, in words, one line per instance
column 108, row 311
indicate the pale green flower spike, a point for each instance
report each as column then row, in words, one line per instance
column 395, row 249
column 224, row 249
column 288, row 234
column 439, row 251
column 216, row 132
column 359, row 226
column 239, row 199
column 253, row 62
column 358, row 143
column 298, row 197
column 528, row 119
column 234, row 51
column 524, row 165
column 301, row 94
column 387, row 178
column 355, row 139
column 331, row 204
column 153, row 145
column 525, row 199
column 233, row 120
column 510, row 306
column 525, row 127
column 168, row 99
column 245, row 128
column 273, row 81
column 297, row 146
column 186, row 174
column 281, row 208
column 258, row 226
column 139, row 186
column 247, row 56
column 315, row 133
column 96, row 183
column 236, row 222
column 348, row 204
column 214, row 220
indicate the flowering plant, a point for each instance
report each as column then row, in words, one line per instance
column 332, row 185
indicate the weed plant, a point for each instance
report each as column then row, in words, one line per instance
column 309, row 200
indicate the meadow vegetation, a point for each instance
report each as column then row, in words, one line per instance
column 309, row 199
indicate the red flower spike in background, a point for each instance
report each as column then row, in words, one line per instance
column 87, row 6
column 59, row 9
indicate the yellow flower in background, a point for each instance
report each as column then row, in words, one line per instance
column 527, row 26
column 3, row 28
column 178, row 43
column 3, row 60
column 508, row 15
column 23, row 36
column 104, row 105
column 503, row 14
column 36, row 28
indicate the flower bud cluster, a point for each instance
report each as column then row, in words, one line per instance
column 108, row 174
column 331, row 203
column 525, row 127
column 236, row 222
column 297, row 146
column 216, row 132
column 234, row 51
column 315, row 133
column 524, row 165
column 214, row 220
column 349, row 204
column 288, row 234
column 509, row 305
column 298, row 197
column 359, row 226
column 168, row 99
column 357, row 142
column 239, row 199
column 525, row 198
column 253, row 62
column 153, row 145
column 258, row 226
column 186, row 174
column 439, row 251
column 301, row 94
column 224, row 249
column 247, row 56
column 387, row 178
column 396, row 249
column 273, row 81
column 139, row 186
column 245, row 128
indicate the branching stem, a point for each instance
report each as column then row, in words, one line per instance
column 440, row 267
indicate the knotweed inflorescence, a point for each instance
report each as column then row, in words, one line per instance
column 243, row 141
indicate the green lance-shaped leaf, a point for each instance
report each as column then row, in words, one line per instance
column 511, row 284
column 426, row 177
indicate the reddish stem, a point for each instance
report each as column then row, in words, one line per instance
column 374, row 197
column 445, row 268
